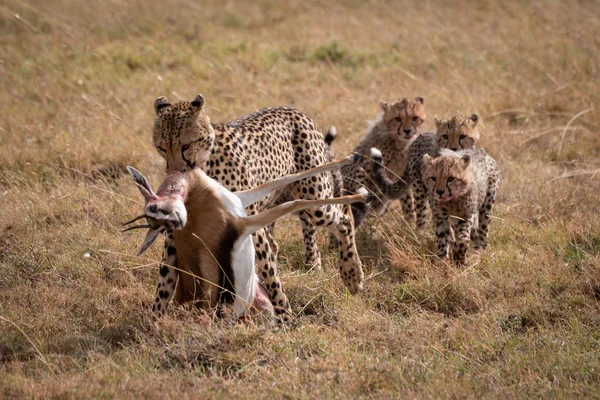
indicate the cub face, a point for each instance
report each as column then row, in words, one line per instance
column 404, row 117
column 182, row 135
column 457, row 133
column 447, row 176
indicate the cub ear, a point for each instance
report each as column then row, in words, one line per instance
column 466, row 159
column 438, row 122
column 160, row 104
column 198, row 102
column 427, row 159
column 384, row 105
column 420, row 100
column 474, row 118
column 142, row 183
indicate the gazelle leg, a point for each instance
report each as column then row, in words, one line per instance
column 253, row 195
column 255, row 222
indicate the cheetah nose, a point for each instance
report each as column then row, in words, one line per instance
column 454, row 148
column 407, row 131
column 440, row 192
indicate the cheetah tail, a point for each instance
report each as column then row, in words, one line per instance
column 330, row 135
column 388, row 188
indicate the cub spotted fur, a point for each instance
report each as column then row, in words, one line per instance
column 462, row 188
column 456, row 133
column 392, row 132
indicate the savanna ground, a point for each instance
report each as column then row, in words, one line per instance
column 78, row 82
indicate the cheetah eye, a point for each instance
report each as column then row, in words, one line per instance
column 398, row 119
column 185, row 147
column 450, row 179
column 462, row 137
column 432, row 178
column 161, row 149
column 445, row 137
column 415, row 119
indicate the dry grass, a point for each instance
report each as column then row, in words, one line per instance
column 78, row 81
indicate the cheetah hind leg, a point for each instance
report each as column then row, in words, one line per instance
column 312, row 255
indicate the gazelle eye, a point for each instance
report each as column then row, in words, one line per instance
column 450, row 179
column 185, row 147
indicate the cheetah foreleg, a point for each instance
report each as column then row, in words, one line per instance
column 167, row 278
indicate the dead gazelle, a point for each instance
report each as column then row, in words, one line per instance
column 209, row 235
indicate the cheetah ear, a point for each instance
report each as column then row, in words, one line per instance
column 160, row 104
column 466, row 159
column 474, row 118
column 384, row 105
column 438, row 122
column 142, row 183
column 198, row 102
column 420, row 100
column 427, row 159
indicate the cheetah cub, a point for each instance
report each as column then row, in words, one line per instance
column 392, row 132
column 462, row 188
column 456, row 133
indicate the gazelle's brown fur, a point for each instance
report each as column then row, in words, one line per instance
column 208, row 236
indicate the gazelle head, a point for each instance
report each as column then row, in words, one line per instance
column 164, row 210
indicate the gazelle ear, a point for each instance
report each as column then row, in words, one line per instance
column 149, row 239
column 160, row 103
column 142, row 183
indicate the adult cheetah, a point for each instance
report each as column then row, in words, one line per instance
column 251, row 151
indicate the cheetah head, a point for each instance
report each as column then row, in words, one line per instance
column 457, row 132
column 404, row 117
column 183, row 135
column 448, row 176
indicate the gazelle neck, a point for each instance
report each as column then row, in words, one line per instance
column 176, row 184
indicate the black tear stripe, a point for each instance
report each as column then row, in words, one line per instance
column 449, row 190
column 226, row 276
